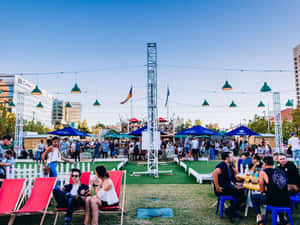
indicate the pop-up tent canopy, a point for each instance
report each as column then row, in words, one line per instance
column 138, row 132
column 242, row 131
column 197, row 130
column 68, row 131
column 111, row 134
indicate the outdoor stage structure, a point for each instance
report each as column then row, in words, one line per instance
column 151, row 137
column 277, row 122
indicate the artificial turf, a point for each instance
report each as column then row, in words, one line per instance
column 202, row 167
column 178, row 175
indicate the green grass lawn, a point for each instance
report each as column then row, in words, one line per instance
column 202, row 167
column 191, row 204
column 178, row 175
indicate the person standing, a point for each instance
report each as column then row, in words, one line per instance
column 96, row 153
column 6, row 141
column 105, row 149
column 187, row 147
column 53, row 156
column 77, row 151
column 64, row 147
column 195, row 148
column 40, row 150
column 295, row 143
column 112, row 149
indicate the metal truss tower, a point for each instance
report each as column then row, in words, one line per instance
column 152, row 108
column 19, row 123
column 277, row 119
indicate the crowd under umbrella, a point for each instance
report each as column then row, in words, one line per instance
column 197, row 130
column 69, row 131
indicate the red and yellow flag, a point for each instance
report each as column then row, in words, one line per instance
column 128, row 97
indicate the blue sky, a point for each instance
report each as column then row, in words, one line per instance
column 196, row 40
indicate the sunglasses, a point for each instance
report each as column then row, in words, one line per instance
column 75, row 175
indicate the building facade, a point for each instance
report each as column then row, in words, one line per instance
column 73, row 114
column 58, row 113
column 15, row 87
column 296, row 52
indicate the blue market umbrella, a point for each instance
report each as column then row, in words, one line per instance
column 197, row 130
column 68, row 131
column 242, row 131
column 138, row 132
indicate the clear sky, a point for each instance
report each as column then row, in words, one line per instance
column 106, row 42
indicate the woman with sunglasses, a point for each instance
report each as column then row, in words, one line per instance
column 106, row 195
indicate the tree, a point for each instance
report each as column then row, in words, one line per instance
column 296, row 119
column 33, row 126
column 83, row 127
column 287, row 128
column 7, row 121
column 260, row 125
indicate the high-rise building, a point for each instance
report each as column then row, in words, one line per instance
column 297, row 71
column 13, row 86
column 73, row 114
column 58, row 112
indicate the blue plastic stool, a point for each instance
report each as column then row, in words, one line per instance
column 294, row 199
column 223, row 198
column 275, row 210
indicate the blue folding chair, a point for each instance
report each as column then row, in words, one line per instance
column 221, row 202
column 275, row 210
column 295, row 199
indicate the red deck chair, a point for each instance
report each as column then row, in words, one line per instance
column 10, row 193
column 38, row 200
column 116, row 177
column 84, row 179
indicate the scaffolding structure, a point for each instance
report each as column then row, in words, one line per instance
column 277, row 120
column 18, row 145
column 152, row 134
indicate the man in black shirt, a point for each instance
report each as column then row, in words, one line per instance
column 291, row 172
column 224, row 183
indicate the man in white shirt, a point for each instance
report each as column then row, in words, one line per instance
column 294, row 142
column 195, row 146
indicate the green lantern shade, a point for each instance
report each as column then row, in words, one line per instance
column 289, row 103
column 226, row 86
column 96, row 103
column 75, row 89
column 40, row 105
column 232, row 105
column 261, row 105
column 205, row 103
column 36, row 91
column 11, row 104
column 68, row 105
column 265, row 88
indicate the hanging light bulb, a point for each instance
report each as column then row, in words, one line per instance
column 261, row 105
column 40, row 105
column 96, row 103
column 232, row 105
column 68, row 105
column 36, row 91
column 205, row 103
column 75, row 89
column 265, row 88
column 226, row 86
column 289, row 104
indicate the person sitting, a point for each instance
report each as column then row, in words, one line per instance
column 247, row 160
column 106, row 195
column 256, row 163
column 223, row 178
column 72, row 195
column 291, row 172
column 273, row 188
column 239, row 161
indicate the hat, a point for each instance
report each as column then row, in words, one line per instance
column 292, row 133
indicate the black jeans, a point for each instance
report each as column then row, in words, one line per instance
column 76, row 156
column 66, row 201
column 195, row 153
column 260, row 199
column 239, row 196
